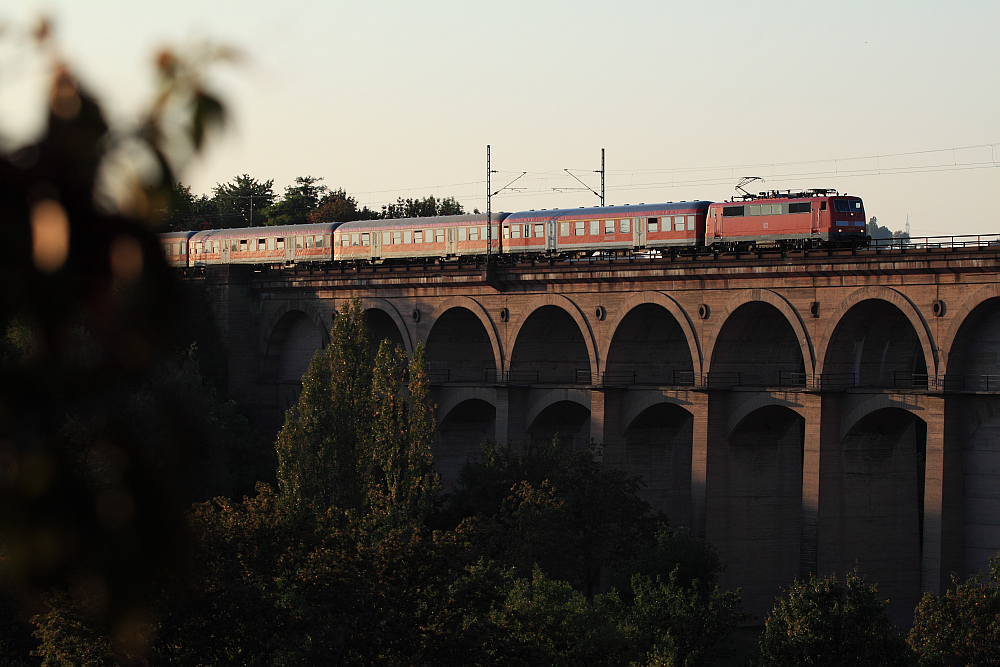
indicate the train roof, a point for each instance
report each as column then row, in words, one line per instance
column 411, row 223
column 280, row 230
column 606, row 211
column 182, row 235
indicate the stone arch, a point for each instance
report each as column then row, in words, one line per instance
column 565, row 304
column 898, row 299
column 306, row 307
column 762, row 400
column 453, row 399
column 876, row 521
column 657, row 444
column 961, row 318
column 468, row 420
column 758, row 504
column 648, row 401
column 481, row 314
column 877, row 402
column 746, row 298
column 669, row 304
column 294, row 336
column 375, row 303
column 554, row 396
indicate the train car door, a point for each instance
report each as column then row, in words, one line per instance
column 376, row 245
column 224, row 253
column 639, row 232
column 815, row 217
column 550, row 235
column 450, row 247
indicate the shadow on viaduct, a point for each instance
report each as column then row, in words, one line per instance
column 802, row 417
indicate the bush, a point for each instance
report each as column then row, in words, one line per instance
column 824, row 622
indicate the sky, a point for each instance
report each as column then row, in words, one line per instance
column 896, row 102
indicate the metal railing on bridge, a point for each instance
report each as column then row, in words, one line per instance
column 899, row 380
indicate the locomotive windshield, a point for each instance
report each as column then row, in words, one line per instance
column 847, row 206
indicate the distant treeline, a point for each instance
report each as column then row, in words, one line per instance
column 248, row 202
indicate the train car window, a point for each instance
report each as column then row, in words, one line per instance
column 386, row 238
column 690, row 221
column 579, row 228
column 506, row 231
column 345, row 240
column 407, row 237
column 609, row 226
column 270, row 243
column 799, row 207
column 473, row 233
column 439, row 235
column 822, row 206
column 184, row 248
column 626, row 225
column 732, row 211
column 298, row 242
column 418, row 236
column 595, row 227
column 563, row 229
column 429, row 236
column 309, row 242
column 397, row 237
column 462, row 233
column 364, row 239
column 319, row 240
column 515, row 232
column 678, row 223
column 652, row 224
column 754, row 209
column 280, row 242
column 539, row 231
column 243, row 245
column 495, row 232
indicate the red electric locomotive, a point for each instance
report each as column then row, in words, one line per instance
column 795, row 219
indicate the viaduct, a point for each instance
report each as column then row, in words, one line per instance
column 803, row 412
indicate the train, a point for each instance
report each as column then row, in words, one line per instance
column 810, row 218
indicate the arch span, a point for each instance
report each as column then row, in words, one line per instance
column 303, row 306
column 759, row 504
column 480, row 312
column 463, row 339
column 666, row 302
column 389, row 310
column 757, row 345
column 567, row 306
column 897, row 299
column 745, row 297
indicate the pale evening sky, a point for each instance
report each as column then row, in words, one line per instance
column 897, row 102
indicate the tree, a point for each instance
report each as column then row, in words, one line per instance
column 298, row 202
column 961, row 627
column 827, row 623
column 359, row 438
column 188, row 212
column 427, row 207
column 338, row 206
column 877, row 232
column 241, row 202
column 551, row 506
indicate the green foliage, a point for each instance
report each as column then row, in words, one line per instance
column 825, row 622
column 551, row 506
column 359, row 438
column 65, row 637
column 676, row 554
column 673, row 624
column 298, row 202
column 427, row 207
column 242, row 201
column 961, row 627
column 186, row 211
